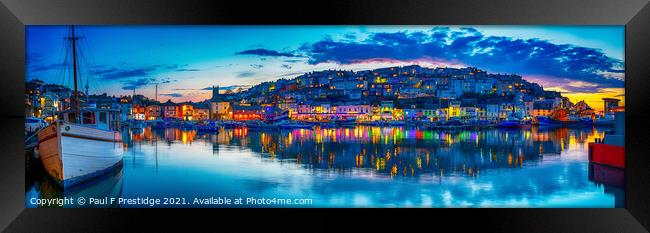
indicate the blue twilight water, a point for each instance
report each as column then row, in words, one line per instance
column 357, row 167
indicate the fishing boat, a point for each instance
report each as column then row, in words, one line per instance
column 209, row 126
column 605, row 120
column 396, row 123
column 84, row 143
column 610, row 150
column 286, row 124
column 579, row 121
column 232, row 124
column 511, row 122
column 547, row 121
column 586, row 121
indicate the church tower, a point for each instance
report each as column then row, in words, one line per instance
column 215, row 94
column 219, row 108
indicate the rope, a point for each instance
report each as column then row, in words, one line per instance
column 35, row 133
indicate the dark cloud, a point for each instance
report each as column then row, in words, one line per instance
column 265, row 52
column 245, row 74
column 168, row 66
column 36, row 68
column 290, row 74
column 286, row 66
column 190, row 70
column 257, row 66
column 292, row 61
column 173, row 95
column 119, row 74
column 468, row 46
column 226, row 88
column 136, row 83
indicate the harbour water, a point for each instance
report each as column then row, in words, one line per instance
column 360, row 166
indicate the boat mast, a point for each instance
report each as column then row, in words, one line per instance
column 73, row 39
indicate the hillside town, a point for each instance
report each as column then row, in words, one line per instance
column 394, row 94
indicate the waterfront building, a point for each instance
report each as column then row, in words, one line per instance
column 201, row 111
column 387, row 108
column 442, row 113
column 171, row 110
column 412, row 113
column 357, row 109
column 187, row 111
column 430, row 114
column 152, row 112
column 270, row 112
column 139, row 112
column 582, row 109
column 528, row 106
column 290, row 105
column 219, row 108
column 543, row 108
column 322, row 108
column 247, row 113
column 454, row 109
column 102, row 101
column 492, row 111
column 305, row 109
column 125, row 106
column 469, row 112
column 506, row 110
column 33, row 90
column 610, row 104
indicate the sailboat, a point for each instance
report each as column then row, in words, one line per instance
column 83, row 143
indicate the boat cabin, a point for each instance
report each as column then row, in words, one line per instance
column 106, row 119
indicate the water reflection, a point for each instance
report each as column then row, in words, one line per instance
column 369, row 166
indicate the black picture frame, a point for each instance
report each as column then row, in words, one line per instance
column 634, row 14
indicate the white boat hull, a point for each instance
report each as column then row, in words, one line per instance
column 73, row 153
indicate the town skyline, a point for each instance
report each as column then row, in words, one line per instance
column 595, row 103
column 553, row 57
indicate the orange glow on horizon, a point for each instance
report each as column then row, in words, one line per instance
column 595, row 100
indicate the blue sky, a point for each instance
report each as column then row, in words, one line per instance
column 184, row 60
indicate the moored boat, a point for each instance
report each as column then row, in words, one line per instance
column 210, row 126
column 610, row 150
column 605, row 120
column 73, row 153
column 396, row 123
column 509, row 124
column 84, row 143
column 547, row 121
column 293, row 125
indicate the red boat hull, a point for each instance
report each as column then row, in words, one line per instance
column 606, row 154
